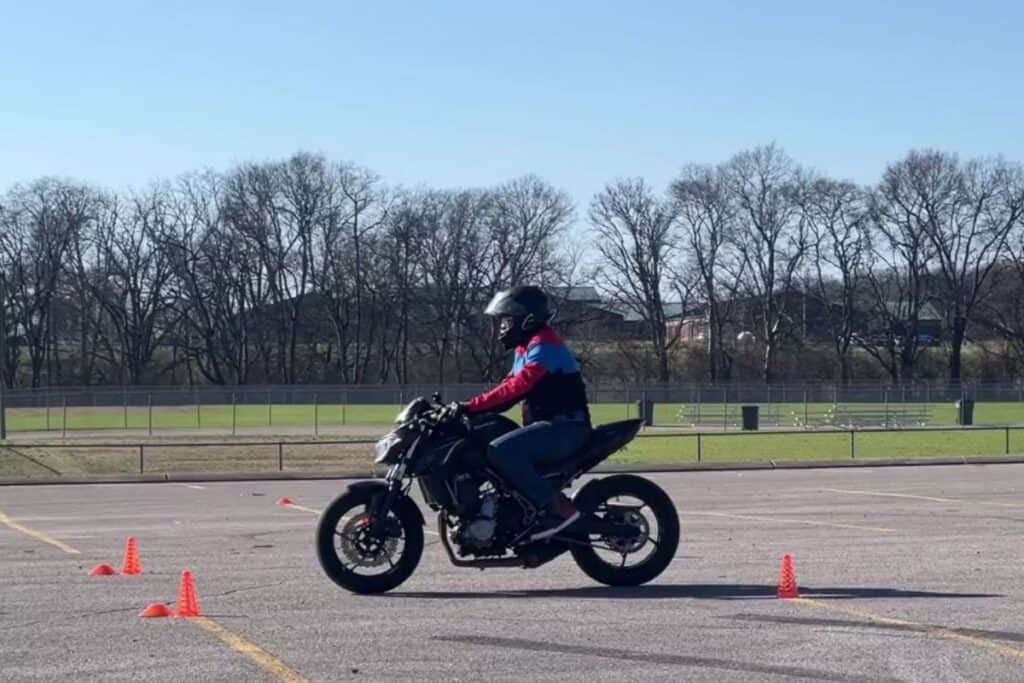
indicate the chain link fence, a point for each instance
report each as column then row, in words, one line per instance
column 307, row 409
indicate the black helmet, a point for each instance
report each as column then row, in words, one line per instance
column 528, row 308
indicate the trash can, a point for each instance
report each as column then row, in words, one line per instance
column 965, row 411
column 750, row 418
column 645, row 409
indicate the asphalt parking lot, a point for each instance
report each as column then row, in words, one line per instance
column 905, row 574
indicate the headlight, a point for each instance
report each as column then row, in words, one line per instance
column 387, row 449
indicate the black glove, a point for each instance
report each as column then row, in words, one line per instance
column 454, row 411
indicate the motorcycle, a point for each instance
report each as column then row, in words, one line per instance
column 370, row 538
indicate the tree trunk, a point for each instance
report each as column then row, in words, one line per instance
column 957, row 343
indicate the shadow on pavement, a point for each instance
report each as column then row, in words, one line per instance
column 711, row 591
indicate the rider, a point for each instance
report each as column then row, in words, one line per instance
column 556, row 418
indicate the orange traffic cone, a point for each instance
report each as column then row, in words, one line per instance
column 155, row 609
column 187, row 605
column 131, row 564
column 102, row 570
column 787, row 579
column 284, row 501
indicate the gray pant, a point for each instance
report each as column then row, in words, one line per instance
column 517, row 455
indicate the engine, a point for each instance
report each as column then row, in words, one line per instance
column 508, row 524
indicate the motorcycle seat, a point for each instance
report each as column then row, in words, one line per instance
column 604, row 440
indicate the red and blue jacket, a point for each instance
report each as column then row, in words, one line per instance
column 545, row 376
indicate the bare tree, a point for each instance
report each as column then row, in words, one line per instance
column 40, row 221
column 968, row 229
column 344, row 259
column 771, row 238
column 526, row 218
column 837, row 216
column 131, row 280
column 1003, row 311
column 452, row 260
column 211, row 284
column 913, row 193
column 707, row 215
column 633, row 236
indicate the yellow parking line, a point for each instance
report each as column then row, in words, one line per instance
column 783, row 520
column 940, row 631
column 933, row 499
column 38, row 535
column 263, row 659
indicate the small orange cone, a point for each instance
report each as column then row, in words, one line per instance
column 787, row 579
column 131, row 564
column 187, row 605
column 284, row 501
column 155, row 609
column 102, row 570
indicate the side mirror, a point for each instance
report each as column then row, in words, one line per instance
column 436, row 397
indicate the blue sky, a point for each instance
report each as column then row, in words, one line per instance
column 473, row 93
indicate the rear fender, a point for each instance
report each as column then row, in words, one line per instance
column 379, row 487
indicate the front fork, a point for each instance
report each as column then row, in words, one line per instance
column 382, row 502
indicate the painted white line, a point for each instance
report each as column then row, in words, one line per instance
column 784, row 520
column 933, row 499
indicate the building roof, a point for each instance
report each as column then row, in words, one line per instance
column 585, row 294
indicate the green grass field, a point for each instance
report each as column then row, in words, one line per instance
column 226, row 417
column 819, row 445
column 47, row 459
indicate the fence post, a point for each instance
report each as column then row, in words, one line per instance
column 149, row 412
column 725, row 410
column 125, row 405
column 316, row 414
column 852, row 442
column 344, row 401
column 234, row 413
column 806, row 413
column 885, row 397
column 64, row 415
column 270, row 407
column 142, row 458
column 280, row 456
column 1007, row 440
column 698, row 447
column 199, row 411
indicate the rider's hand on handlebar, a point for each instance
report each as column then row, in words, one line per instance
column 453, row 411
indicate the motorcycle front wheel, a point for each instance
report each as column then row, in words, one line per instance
column 639, row 504
column 359, row 560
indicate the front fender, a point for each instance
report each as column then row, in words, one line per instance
column 375, row 486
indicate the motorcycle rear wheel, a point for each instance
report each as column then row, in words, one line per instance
column 354, row 538
column 595, row 497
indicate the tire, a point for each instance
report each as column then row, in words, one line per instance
column 408, row 516
column 598, row 491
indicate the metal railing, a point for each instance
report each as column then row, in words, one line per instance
column 286, row 455
column 242, row 409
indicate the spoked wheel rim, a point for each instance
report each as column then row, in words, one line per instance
column 363, row 552
column 627, row 553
